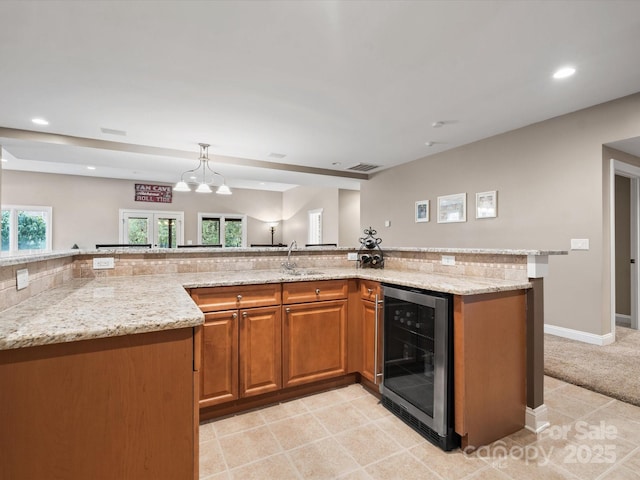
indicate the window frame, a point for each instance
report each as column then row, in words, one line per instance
column 314, row 217
column 152, row 217
column 13, row 230
column 223, row 217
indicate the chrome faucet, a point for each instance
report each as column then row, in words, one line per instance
column 289, row 265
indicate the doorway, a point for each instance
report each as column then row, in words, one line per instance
column 161, row 229
column 625, row 201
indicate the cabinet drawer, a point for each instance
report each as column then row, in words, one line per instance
column 301, row 292
column 212, row 299
column 369, row 289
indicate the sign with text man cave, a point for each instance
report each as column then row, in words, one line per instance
column 153, row 193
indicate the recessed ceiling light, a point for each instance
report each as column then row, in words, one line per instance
column 91, row 167
column 429, row 144
column 276, row 155
column 336, row 164
column 564, row 72
column 437, row 124
column 40, row 121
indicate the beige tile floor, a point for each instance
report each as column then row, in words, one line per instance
column 346, row 434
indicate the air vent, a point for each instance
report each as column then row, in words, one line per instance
column 363, row 167
column 111, row 131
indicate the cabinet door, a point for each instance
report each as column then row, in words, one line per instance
column 219, row 367
column 371, row 360
column 314, row 342
column 260, row 351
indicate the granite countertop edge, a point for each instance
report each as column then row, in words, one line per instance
column 19, row 259
column 86, row 309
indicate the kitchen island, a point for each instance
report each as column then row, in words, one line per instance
column 84, row 313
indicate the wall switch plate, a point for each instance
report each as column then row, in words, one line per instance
column 352, row 256
column 100, row 263
column 448, row 260
column 579, row 244
column 22, row 278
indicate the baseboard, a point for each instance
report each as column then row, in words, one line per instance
column 537, row 419
column 580, row 336
column 623, row 320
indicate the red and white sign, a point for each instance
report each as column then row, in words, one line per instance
column 153, row 193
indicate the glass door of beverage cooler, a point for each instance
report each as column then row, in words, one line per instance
column 415, row 354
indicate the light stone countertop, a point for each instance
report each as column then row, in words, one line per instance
column 23, row 258
column 86, row 309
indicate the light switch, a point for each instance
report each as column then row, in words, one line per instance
column 22, row 278
column 579, row 244
column 448, row 260
column 103, row 262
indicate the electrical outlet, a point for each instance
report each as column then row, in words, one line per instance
column 22, row 279
column 579, row 244
column 448, row 260
column 387, row 223
column 352, row 256
column 100, row 263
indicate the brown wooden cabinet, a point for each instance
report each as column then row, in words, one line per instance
column 314, row 332
column 371, row 320
column 219, row 371
column 489, row 364
column 119, row 407
column 260, row 350
column 241, row 348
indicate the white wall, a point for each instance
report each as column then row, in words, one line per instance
column 552, row 186
column 85, row 209
column 296, row 204
column 349, row 223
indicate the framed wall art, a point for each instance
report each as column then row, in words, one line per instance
column 422, row 211
column 487, row 204
column 452, row 208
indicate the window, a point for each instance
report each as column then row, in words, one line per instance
column 160, row 229
column 315, row 226
column 226, row 229
column 26, row 229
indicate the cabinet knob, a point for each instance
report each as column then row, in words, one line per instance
column 317, row 291
column 244, row 314
column 370, row 290
column 287, row 310
column 239, row 297
column 234, row 316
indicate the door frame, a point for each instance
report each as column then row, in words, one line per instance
column 152, row 216
column 633, row 173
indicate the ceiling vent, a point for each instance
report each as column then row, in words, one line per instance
column 363, row 167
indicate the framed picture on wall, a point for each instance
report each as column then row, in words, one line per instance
column 487, row 204
column 422, row 211
column 452, row 208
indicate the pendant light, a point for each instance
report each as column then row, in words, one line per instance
column 203, row 186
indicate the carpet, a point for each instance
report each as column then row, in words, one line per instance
column 613, row 370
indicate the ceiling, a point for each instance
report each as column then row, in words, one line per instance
column 327, row 84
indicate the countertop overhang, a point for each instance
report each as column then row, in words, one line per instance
column 85, row 309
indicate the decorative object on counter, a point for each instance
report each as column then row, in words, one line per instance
column 204, row 186
column 75, row 247
column 370, row 254
column 422, row 211
column 452, row 208
column 487, row 204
